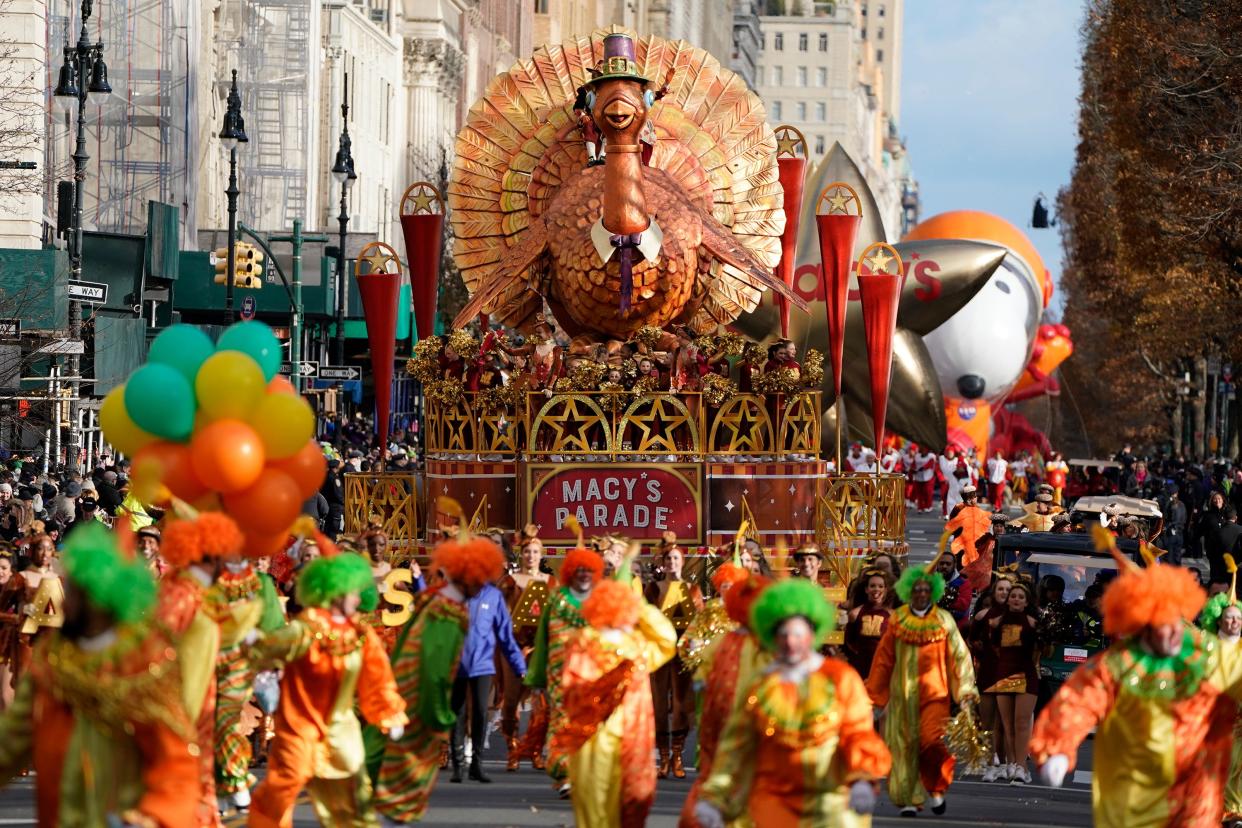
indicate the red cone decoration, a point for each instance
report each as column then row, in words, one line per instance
column 422, row 224
column 792, row 170
column 879, row 283
column 380, row 288
column 838, row 232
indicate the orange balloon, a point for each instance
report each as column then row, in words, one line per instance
column 268, row 506
column 281, row 385
column 307, row 468
column 263, row 545
column 176, row 468
column 228, row 455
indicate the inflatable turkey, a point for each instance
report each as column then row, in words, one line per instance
column 679, row 225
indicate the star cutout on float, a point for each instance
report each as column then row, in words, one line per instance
column 571, row 427
column 378, row 261
column 839, row 201
column 729, row 507
column 659, row 426
column 879, row 261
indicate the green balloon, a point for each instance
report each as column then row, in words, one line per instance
column 183, row 347
column 257, row 341
column 160, row 401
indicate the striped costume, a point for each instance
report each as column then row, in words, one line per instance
column 424, row 661
column 238, row 603
column 560, row 618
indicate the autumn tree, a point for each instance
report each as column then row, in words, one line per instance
column 1152, row 218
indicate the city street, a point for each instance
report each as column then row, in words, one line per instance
column 526, row 798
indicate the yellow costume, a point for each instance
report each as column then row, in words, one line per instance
column 611, row 728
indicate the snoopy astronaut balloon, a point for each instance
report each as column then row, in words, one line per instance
column 981, row 352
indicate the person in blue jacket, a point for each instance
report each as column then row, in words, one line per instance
column 490, row 627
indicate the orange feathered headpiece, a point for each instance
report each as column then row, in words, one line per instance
column 207, row 535
column 728, row 575
column 612, row 604
column 1145, row 597
column 471, row 563
column 581, row 558
column 740, row 597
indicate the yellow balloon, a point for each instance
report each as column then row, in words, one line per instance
column 229, row 385
column 284, row 423
column 118, row 428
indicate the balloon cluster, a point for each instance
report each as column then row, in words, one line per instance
column 218, row 428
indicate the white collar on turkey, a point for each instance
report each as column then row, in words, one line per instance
column 651, row 240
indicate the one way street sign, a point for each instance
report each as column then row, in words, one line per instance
column 340, row 372
column 306, row 370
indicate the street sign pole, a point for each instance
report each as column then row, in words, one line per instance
column 297, row 239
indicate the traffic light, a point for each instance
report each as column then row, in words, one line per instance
column 247, row 265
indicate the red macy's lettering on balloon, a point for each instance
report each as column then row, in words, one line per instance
column 923, row 275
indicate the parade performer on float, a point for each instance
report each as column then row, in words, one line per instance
column 194, row 548
column 1222, row 616
column 580, row 571
column 921, row 665
column 99, row 715
column 672, row 686
column 425, row 659
column 240, row 600
column 1157, row 700
column 332, row 661
column 605, row 690
column 526, row 593
column 800, row 746
column 727, row 669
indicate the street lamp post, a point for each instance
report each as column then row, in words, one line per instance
column 83, row 76
column 343, row 173
column 233, row 133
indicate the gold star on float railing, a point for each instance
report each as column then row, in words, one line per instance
column 879, row 261
column 378, row 260
column 839, row 201
column 658, row 426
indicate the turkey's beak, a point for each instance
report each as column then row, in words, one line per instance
column 619, row 114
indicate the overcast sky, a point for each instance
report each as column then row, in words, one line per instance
column 989, row 105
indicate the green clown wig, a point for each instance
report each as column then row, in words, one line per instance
column 1214, row 609
column 789, row 599
column 326, row 579
column 113, row 582
column 915, row 574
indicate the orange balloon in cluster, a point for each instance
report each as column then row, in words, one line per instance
column 176, row 468
column 281, row 385
column 268, row 506
column 307, row 468
column 228, row 455
column 263, row 545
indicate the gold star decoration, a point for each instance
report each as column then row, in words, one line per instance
column 573, row 426
column 879, row 261
column 423, row 200
column 659, row 426
column 421, row 197
column 839, row 201
column 787, row 141
column 379, row 257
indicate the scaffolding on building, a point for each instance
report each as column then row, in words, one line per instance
column 274, row 72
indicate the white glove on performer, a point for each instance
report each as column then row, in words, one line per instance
column 708, row 816
column 396, row 732
column 862, row 797
column 1053, row 771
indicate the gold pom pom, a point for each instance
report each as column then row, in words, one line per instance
column 968, row 742
column 718, row 390
column 463, row 343
column 706, row 627
column 813, row 369
column 648, row 335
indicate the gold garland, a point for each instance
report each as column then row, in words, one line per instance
column 443, row 392
column 424, row 366
column 968, row 742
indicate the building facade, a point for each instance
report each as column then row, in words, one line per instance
column 825, row 70
column 747, row 38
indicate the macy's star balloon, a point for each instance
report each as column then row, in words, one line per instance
column 941, row 277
